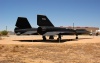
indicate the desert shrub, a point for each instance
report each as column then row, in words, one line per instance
column 4, row 32
column 0, row 35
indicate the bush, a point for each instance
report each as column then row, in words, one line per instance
column 4, row 32
column 0, row 33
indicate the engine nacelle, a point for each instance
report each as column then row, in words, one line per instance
column 41, row 30
column 15, row 30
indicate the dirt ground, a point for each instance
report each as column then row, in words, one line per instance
column 31, row 49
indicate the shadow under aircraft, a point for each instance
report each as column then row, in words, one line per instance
column 46, row 28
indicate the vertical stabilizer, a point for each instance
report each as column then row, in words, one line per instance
column 42, row 20
column 22, row 23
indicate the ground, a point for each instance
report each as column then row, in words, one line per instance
column 31, row 49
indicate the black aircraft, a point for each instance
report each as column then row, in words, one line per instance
column 46, row 28
column 23, row 27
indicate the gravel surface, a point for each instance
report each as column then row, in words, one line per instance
column 31, row 49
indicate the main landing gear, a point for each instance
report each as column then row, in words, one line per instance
column 50, row 37
column 44, row 38
column 59, row 38
column 76, row 36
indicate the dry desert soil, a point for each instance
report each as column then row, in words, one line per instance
column 31, row 49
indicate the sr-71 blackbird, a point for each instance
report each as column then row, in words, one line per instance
column 46, row 28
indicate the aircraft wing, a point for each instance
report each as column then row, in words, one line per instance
column 57, row 32
column 29, row 32
column 51, row 33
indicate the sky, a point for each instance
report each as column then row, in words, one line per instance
column 83, row 13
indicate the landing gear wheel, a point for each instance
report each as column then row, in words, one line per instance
column 51, row 37
column 44, row 38
column 76, row 37
column 59, row 38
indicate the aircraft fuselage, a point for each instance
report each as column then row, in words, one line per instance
column 44, row 29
